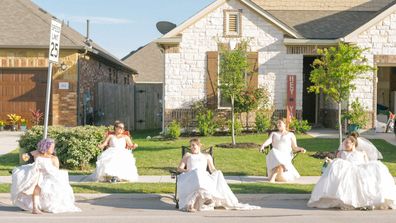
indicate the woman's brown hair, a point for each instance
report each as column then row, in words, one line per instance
column 353, row 139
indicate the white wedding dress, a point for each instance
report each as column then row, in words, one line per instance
column 368, row 147
column 116, row 161
column 352, row 182
column 56, row 194
column 203, row 190
column 281, row 154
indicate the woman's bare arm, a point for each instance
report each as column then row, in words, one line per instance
column 105, row 143
column 267, row 142
column 212, row 168
column 183, row 163
column 294, row 145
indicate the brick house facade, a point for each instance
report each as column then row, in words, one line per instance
column 24, row 65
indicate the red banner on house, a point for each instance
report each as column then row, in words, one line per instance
column 291, row 97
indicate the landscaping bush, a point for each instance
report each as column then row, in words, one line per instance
column 173, row 131
column 206, row 123
column 238, row 126
column 299, row 126
column 263, row 122
column 76, row 147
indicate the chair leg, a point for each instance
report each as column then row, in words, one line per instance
column 175, row 196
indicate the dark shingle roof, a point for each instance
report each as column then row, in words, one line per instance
column 25, row 25
column 149, row 61
column 323, row 24
column 306, row 18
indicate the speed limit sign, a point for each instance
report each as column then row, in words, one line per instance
column 54, row 41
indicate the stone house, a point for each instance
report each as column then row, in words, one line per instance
column 283, row 37
column 24, row 40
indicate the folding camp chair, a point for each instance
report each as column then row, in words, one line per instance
column 175, row 173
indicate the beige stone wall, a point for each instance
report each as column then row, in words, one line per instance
column 356, row 5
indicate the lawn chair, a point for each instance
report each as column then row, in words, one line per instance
column 268, row 148
column 175, row 173
column 125, row 133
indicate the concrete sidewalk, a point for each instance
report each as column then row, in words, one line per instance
column 167, row 179
column 9, row 141
column 369, row 134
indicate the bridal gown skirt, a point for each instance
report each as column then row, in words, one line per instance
column 56, row 194
column 116, row 162
column 278, row 157
column 206, row 191
column 347, row 185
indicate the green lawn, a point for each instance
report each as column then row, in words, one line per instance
column 169, row 188
column 156, row 157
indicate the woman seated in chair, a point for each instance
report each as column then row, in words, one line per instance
column 116, row 163
column 353, row 181
column 279, row 159
column 364, row 145
column 201, row 190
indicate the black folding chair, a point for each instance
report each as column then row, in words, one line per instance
column 175, row 173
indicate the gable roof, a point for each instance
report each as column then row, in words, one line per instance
column 176, row 31
column 23, row 24
column 307, row 19
column 149, row 61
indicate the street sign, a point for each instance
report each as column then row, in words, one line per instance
column 53, row 54
column 53, row 57
column 291, row 98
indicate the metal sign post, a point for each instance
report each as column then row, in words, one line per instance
column 53, row 57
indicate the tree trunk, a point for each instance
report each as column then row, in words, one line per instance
column 247, row 121
column 232, row 121
column 339, row 124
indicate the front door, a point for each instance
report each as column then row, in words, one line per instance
column 309, row 99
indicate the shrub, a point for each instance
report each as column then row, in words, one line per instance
column 206, row 123
column 299, row 126
column 263, row 122
column 173, row 131
column 75, row 147
column 238, row 126
column 356, row 115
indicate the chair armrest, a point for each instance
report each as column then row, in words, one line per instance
column 174, row 173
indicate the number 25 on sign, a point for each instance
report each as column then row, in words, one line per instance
column 54, row 41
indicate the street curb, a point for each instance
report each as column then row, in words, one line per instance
column 85, row 196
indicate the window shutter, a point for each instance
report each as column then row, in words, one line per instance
column 211, row 80
column 252, row 77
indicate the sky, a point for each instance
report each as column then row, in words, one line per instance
column 121, row 26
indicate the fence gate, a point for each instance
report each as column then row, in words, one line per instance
column 114, row 102
column 148, row 106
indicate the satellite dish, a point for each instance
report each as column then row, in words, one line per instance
column 164, row 26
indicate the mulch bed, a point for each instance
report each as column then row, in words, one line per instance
column 242, row 145
column 322, row 155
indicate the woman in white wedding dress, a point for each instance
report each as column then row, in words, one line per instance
column 366, row 146
column 41, row 186
column 279, row 159
column 352, row 181
column 116, row 163
column 200, row 190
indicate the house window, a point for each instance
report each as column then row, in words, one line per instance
column 232, row 23
column 110, row 76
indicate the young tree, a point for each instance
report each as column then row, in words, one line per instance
column 233, row 66
column 335, row 72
